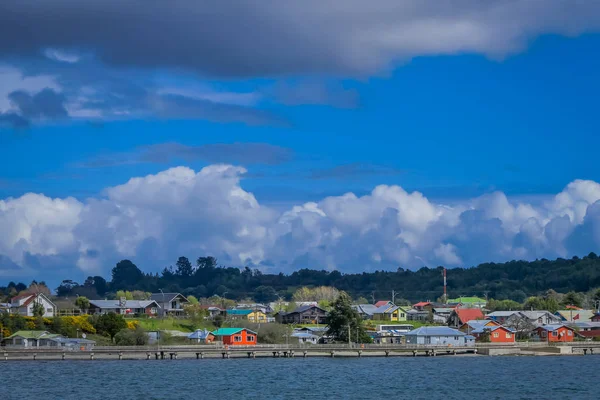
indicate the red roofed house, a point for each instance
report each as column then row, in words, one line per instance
column 460, row 316
column 421, row 305
column 381, row 303
column 24, row 303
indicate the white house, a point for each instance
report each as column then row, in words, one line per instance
column 24, row 304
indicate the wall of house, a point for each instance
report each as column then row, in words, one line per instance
column 244, row 339
column 502, row 336
column 436, row 340
column 48, row 307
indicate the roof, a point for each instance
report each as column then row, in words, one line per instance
column 479, row 323
column 368, row 309
column 239, row 312
column 435, row 331
column 32, row 334
column 575, row 315
column 468, row 314
column 158, row 297
column 306, row 308
column 199, row 334
column 443, row 310
column 421, row 304
column 303, row 335
column 230, row 331
column 313, row 329
column 387, row 308
column 552, row 327
column 496, row 314
column 382, row 303
column 128, row 303
column 468, row 300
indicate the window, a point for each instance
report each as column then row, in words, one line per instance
column 237, row 338
column 555, row 333
column 570, row 333
column 250, row 338
column 48, row 310
column 496, row 334
column 508, row 335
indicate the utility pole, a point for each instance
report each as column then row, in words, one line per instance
column 373, row 297
column 394, row 296
column 349, row 342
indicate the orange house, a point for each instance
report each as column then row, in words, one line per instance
column 236, row 336
column 554, row 333
column 497, row 332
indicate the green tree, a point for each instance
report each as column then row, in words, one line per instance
column 83, row 303
column 184, row 267
column 126, row 275
column 192, row 299
column 265, row 294
column 128, row 337
column 573, row 299
column 343, row 320
column 38, row 309
column 110, row 324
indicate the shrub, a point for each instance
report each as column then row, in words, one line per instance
column 128, row 337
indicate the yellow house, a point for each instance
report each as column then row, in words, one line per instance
column 389, row 312
column 255, row 316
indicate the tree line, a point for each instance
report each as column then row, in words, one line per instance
column 514, row 280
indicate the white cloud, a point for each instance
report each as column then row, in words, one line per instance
column 154, row 219
column 12, row 79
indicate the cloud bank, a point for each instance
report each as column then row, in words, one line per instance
column 154, row 219
column 246, row 38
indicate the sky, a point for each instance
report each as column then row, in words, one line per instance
column 287, row 135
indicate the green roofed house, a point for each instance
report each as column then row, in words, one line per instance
column 469, row 302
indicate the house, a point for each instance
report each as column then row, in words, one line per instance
column 389, row 312
column 574, row 315
column 491, row 330
column 469, row 302
column 66, row 307
column 201, row 336
column 236, row 336
column 366, row 311
column 554, row 333
column 303, row 315
column 213, row 311
column 441, row 314
column 588, row 330
column 500, row 316
column 438, row 336
column 24, row 304
column 125, row 307
column 460, row 316
column 417, row 315
column 255, row 316
column 31, row 339
column 309, row 335
column 264, row 308
column 595, row 318
column 535, row 318
column 170, row 303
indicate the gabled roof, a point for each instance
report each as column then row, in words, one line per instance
column 158, row 297
column 230, row 331
column 575, row 315
column 239, row 312
column 306, row 308
column 553, row 327
column 479, row 323
column 501, row 314
column 32, row 334
column 435, row 331
column 387, row 309
column 468, row 314
column 368, row 309
column 382, row 303
column 421, row 304
column 114, row 304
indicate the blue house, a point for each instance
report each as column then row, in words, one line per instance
column 438, row 336
column 201, row 336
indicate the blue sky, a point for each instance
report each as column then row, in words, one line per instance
column 494, row 125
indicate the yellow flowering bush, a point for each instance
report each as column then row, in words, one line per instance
column 133, row 325
column 80, row 322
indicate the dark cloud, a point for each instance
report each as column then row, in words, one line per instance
column 238, row 153
column 353, row 170
column 44, row 105
column 272, row 37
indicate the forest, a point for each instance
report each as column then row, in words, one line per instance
column 514, row 280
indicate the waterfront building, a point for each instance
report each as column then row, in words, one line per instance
column 438, row 336
column 490, row 330
column 554, row 333
column 236, row 336
column 36, row 339
column 201, row 336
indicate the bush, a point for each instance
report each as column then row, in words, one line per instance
column 128, row 337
